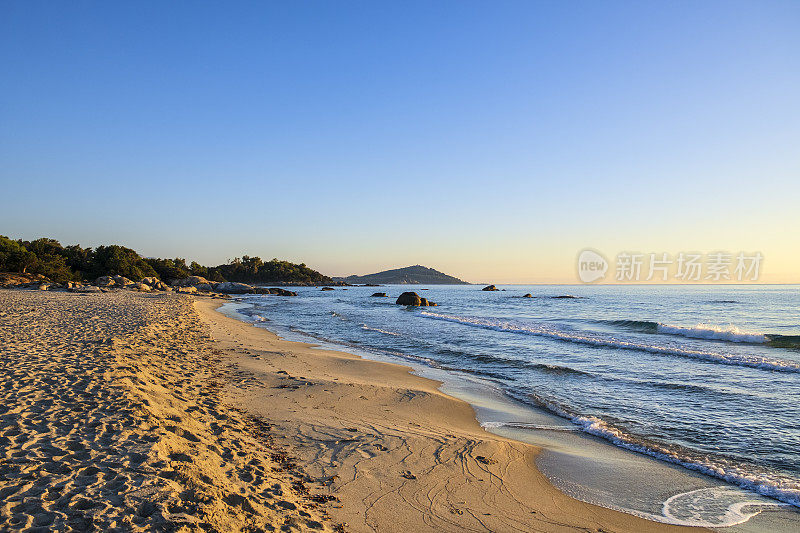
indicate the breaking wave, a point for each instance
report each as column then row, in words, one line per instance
column 762, row 483
column 728, row 333
column 608, row 342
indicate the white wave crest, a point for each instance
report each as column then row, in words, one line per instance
column 751, row 361
column 721, row 333
column 525, row 425
column 366, row 327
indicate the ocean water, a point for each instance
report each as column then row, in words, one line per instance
column 703, row 377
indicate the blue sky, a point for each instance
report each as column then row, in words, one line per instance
column 490, row 140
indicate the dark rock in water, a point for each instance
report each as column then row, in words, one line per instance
column 490, row 288
column 281, row 292
column 371, row 285
column 409, row 298
column 565, row 297
column 529, row 295
column 327, row 288
column 380, row 295
column 412, row 298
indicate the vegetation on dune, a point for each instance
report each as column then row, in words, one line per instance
column 74, row 263
column 253, row 269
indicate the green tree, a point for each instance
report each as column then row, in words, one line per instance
column 14, row 257
column 121, row 261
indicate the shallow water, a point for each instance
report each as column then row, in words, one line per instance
column 703, row 378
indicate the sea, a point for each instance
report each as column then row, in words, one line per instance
column 677, row 403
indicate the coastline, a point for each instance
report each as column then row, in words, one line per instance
column 402, row 453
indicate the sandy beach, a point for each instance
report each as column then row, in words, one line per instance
column 124, row 411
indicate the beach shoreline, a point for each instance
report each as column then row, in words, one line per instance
column 401, row 453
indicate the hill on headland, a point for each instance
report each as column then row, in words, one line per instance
column 416, row 274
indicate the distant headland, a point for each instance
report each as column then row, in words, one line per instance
column 410, row 275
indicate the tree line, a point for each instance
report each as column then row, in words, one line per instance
column 75, row 263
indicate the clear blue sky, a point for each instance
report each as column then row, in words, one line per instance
column 491, row 140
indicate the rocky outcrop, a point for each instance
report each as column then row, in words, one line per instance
column 186, row 290
column 273, row 290
column 77, row 287
column 380, row 295
column 113, row 281
column 232, row 287
column 412, row 298
column 327, row 288
column 15, row 279
column 156, row 284
column 529, row 295
column 191, row 281
column 141, row 287
column 281, row 292
column 490, row 288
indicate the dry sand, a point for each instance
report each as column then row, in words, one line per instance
column 135, row 412
column 111, row 419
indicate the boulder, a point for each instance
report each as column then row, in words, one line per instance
column 87, row 288
column 142, row 287
column 191, row 281
column 152, row 281
column 187, row 290
column 409, row 298
column 380, row 295
column 412, row 298
column 113, row 281
column 529, row 295
column 327, row 288
column 231, row 287
column 490, row 288
column 45, row 287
